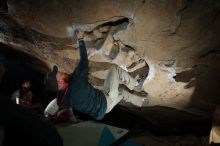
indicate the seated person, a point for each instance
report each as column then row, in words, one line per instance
column 24, row 97
column 18, row 94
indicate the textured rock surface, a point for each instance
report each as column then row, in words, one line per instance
column 178, row 40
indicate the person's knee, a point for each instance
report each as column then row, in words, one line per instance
column 117, row 69
column 114, row 68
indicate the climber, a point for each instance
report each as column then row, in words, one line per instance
column 75, row 91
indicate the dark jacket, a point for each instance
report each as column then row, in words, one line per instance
column 81, row 95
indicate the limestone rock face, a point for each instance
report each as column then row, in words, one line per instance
column 174, row 42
